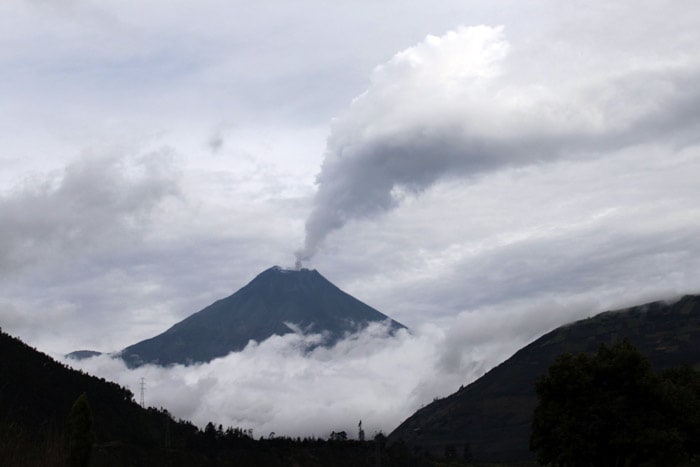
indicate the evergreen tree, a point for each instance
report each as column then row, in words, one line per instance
column 81, row 435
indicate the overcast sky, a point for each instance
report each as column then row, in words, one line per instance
column 481, row 171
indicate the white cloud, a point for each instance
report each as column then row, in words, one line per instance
column 277, row 386
column 453, row 106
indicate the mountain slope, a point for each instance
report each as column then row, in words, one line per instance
column 275, row 298
column 494, row 413
column 36, row 396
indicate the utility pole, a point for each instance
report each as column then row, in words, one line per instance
column 143, row 390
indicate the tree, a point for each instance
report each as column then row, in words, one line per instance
column 681, row 393
column 338, row 436
column 467, row 453
column 81, row 435
column 609, row 408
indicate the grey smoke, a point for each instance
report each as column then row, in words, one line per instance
column 452, row 106
column 216, row 142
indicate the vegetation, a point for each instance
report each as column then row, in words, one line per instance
column 611, row 409
column 81, row 436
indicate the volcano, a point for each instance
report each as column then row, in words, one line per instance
column 276, row 302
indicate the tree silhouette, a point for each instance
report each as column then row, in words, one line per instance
column 81, row 435
column 610, row 408
column 338, row 436
column 680, row 388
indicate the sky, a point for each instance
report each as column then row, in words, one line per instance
column 481, row 171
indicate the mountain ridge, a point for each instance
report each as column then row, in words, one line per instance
column 493, row 414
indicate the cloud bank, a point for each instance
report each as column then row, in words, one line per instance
column 457, row 106
column 277, row 386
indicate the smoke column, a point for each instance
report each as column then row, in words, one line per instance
column 451, row 106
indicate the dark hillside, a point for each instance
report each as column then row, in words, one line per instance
column 36, row 395
column 493, row 414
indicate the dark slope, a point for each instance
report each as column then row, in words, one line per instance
column 37, row 393
column 494, row 413
column 257, row 311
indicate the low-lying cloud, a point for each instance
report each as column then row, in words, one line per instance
column 279, row 386
column 456, row 106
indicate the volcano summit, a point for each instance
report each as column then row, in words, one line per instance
column 276, row 302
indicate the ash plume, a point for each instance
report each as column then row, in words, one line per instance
column 452, row 106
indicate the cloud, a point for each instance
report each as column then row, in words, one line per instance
column 277, row 386
column 216, row 142
column 600, row 229
column 453, row 106
column 97, row 202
